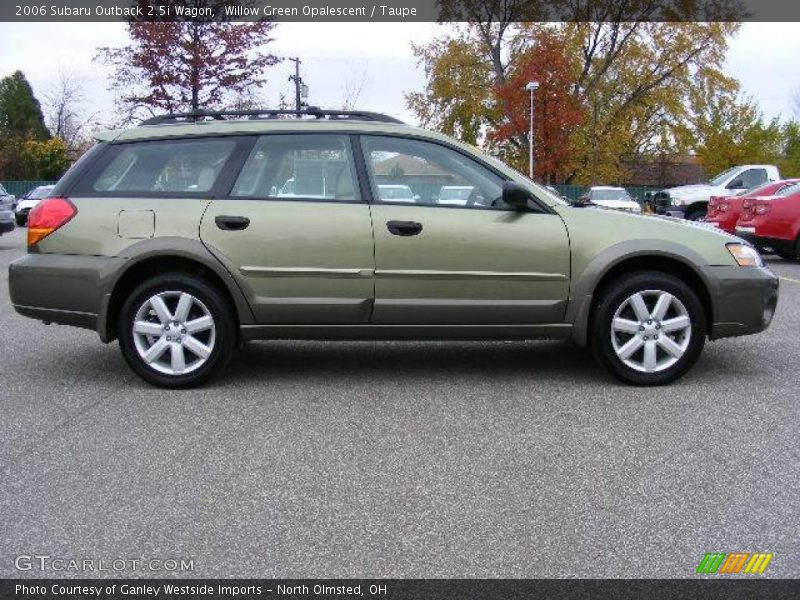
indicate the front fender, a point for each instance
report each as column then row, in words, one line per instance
column 587, row 280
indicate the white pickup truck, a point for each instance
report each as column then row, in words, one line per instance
column 690, row 201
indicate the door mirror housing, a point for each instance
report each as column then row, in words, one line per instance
column 516, row 196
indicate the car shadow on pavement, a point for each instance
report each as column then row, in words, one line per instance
column 544, row 359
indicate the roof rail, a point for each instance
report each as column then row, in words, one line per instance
column 268, row 113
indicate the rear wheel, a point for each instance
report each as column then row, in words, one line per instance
column 648, row 328
column 176, row 331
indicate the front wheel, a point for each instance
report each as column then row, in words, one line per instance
column 648, row 328
column 176, row 331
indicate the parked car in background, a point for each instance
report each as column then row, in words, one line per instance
column 396, row 193
column 691, row 201
column 455, row 195
column 6, row 199
column 773, row 222
column 6, row 219
column 172, row 238
column 610, row 197
column 724, row 211
column 29, row 200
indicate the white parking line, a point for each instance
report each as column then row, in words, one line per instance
column 789, row 279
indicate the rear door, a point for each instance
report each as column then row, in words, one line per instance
column 467, row 260
column 297, row 229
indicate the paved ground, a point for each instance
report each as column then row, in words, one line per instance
column 402, row 459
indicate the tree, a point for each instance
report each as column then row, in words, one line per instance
column 20, row 111
column 790, row 161
column 725, row 129
column 186, row 66
column 558, row 112
column 46, row 159
column 459, row 97
column 632, row 79
column 65, row 116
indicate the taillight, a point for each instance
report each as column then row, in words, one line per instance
column 722, row 206
column 747, row 205
column 762, row 209
column 48, row 216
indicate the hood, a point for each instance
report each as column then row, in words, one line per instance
column 691, row 190
column 624, row 204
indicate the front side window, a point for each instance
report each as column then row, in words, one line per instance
column 168, row 167
column 301, row 167
column 752, row 178
column 406, row 171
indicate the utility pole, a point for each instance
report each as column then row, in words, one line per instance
column 298, row 83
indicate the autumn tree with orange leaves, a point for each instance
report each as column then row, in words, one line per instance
column 557, row 111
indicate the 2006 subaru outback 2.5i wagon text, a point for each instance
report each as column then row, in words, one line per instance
column 188, row 235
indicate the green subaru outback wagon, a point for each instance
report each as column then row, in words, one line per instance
column 191, row 234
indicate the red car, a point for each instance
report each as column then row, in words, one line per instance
column 773, row 222
column 724, row 211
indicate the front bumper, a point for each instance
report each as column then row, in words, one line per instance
column 744, row 300
column 56, row 288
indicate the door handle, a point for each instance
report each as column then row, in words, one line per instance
column 227, row 223
column 404, row 228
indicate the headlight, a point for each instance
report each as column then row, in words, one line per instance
column 745, row 256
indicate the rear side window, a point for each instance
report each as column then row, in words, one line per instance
column 163, row 167
column 299, row 167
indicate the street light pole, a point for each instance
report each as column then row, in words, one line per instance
column 532, row 86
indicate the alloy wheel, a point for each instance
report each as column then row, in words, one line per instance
column 174, row 333
column 651, row 331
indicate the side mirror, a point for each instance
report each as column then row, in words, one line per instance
column 735, row 184
column 516, row 196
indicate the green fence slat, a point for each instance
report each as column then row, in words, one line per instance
column 20, row 188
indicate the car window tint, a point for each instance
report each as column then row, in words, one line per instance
column 171, row 167
column 752, row 177
column 407, row 171
column 303, row 167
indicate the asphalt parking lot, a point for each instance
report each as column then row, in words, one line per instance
column 399, row 459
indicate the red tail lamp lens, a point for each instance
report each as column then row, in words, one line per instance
column 48, row 216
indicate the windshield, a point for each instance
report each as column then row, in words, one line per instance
column 40, row 192
column 720, row 179
column 789, row 190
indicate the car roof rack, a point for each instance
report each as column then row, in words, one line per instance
column 268, row 113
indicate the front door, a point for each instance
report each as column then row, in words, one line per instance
column 447, row 252
column 298, row 231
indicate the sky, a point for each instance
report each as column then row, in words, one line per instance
column 763, row 57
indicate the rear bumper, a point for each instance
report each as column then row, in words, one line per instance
column 760, row 242
column 744, row 300
column 70, row 290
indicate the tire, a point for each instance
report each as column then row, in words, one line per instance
column 657, row 357
column 21, row 221
column 162, row 332
column 698, row 214
column 786, row 254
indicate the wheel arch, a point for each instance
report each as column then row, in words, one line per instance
column 615, row 262
column 168, row 255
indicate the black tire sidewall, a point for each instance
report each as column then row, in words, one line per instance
column 225, row 340
column 610, row 301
